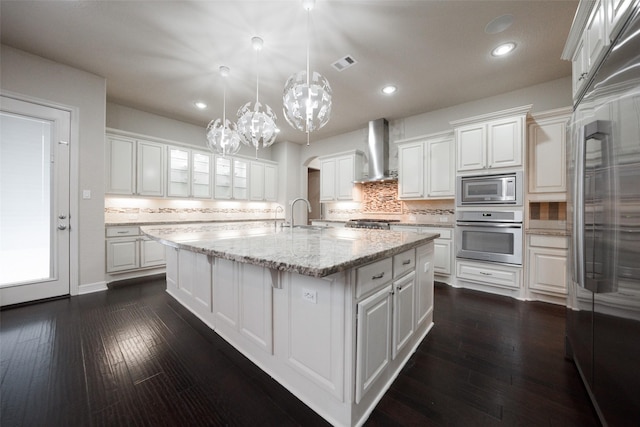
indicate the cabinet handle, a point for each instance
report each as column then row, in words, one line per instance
column 122, row 232
column 406, row 262
column 485, row 274
column 378, row 276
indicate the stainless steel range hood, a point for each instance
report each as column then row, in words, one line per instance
column 378, row 152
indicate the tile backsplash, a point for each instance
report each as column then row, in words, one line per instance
column 548, row 211
column 379, row 200
column 124, row 209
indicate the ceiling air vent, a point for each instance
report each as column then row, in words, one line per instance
column 344, row 63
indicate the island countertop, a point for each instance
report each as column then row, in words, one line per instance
column 314, row 251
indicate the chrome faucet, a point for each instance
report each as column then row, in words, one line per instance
column 275, row 220
column 293, row 202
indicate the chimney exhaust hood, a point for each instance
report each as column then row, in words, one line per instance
column 378, row 152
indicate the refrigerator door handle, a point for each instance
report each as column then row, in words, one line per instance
column 578, row 210
column 597, row 274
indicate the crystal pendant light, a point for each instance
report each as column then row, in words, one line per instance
column 222, row 136
column 307, row 95
column 257, row 125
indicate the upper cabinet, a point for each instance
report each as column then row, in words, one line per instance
column 337, row 176
column 547, row 145
column 139, row 167
column 263, row 181
column 426, row 167
column 595, row 26
column 134, row 167
column 231, row 178
column 491, row 143
column 189, row 173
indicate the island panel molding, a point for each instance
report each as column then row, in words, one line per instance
column 307, row 330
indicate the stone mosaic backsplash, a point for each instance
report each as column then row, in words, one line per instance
column 381, row 197
column 379, row 200
column 127, row 210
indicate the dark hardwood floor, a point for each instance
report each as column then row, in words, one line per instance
column 132, row 356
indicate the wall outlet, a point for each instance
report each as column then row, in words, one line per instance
column 309, row 295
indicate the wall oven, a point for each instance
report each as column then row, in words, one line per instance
column 493, row 236
column 502, row 189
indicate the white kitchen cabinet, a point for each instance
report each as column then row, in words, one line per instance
column 337, row 176
column 243, row 302
column 256, row 174
column 491, row 143
column 240, row 181
column 231, row 178
column 333, row 338
column 595, row 26
column 134, row 167
column 424, row 285
column 411, row 170
column 374, row 339
column 128, row 250
column 547, row 265
column 222, row 178
column 426, row 167
column 270, row 182
column 491, row 277
column 547, row 155
column 443, row 257
column 404, row 311
column 189, row 173
column 263, row 181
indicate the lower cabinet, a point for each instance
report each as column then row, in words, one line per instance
column 336, row 342
column 502, row 279
column 128, row 250
column 443, row 258
column 547, row 268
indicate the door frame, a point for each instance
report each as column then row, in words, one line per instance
column 74, row 185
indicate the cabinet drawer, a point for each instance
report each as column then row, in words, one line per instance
column 558, row 242
column 371, row 276
column 406, row 261
column 122, row 231
column 502, row 276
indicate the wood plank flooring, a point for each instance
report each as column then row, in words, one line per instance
column 132, row 356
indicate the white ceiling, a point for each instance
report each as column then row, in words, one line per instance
column 162, row 56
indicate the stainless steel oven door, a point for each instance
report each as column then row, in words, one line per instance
column 493, row 242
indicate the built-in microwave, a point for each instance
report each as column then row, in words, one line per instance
column 502, row 189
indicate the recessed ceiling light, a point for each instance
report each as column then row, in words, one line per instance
column 201, row 105
column 503, row 49
column 389, row 89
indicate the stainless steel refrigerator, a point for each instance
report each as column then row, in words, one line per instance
column 603, row 306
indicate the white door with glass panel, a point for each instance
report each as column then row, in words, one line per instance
column 34, row 201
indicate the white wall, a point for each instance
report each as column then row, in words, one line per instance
column 143, row 123
column 22, row 73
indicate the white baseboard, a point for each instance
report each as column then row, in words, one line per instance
column 92, row 287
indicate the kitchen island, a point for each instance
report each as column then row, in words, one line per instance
column 331, row 314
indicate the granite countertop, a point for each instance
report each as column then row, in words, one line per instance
column 312, row 252
column 547, row 232
column 408, row 224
